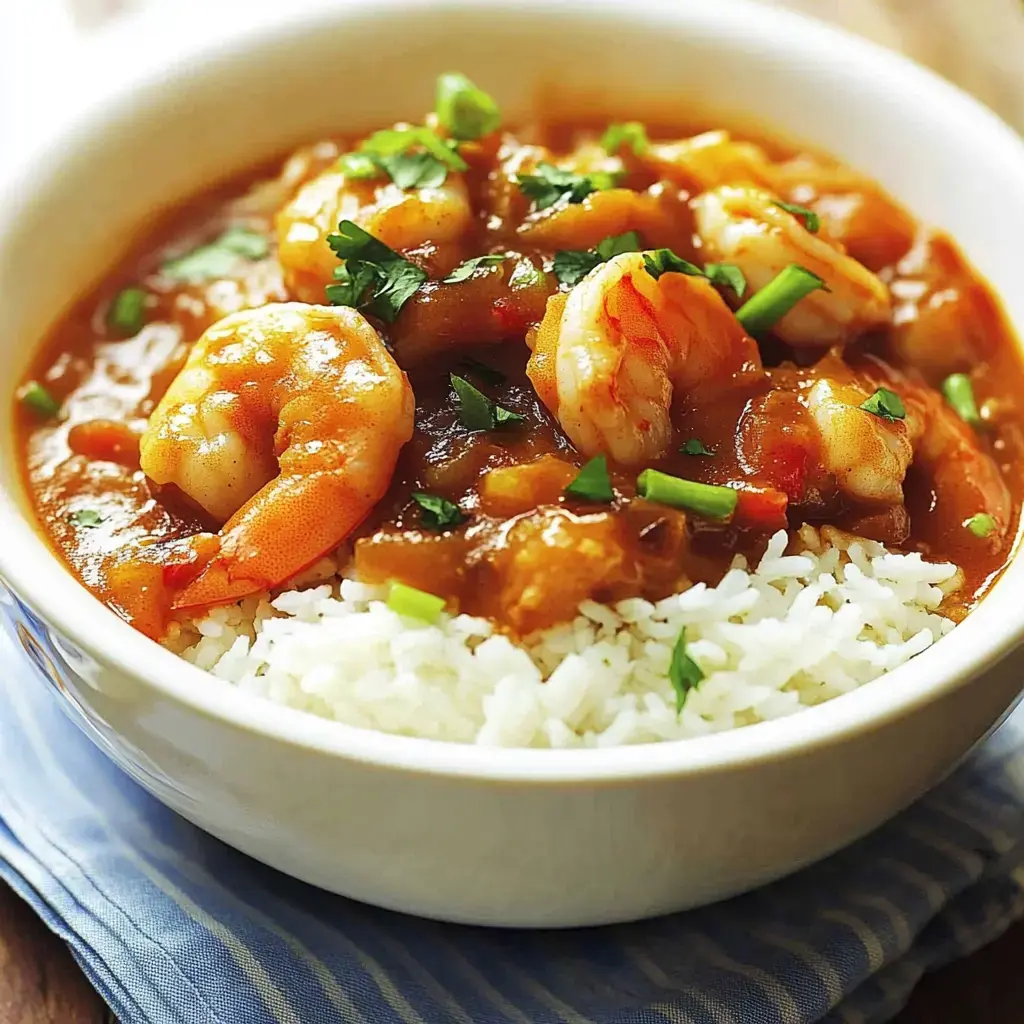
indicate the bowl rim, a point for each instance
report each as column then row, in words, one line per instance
column 38, row 577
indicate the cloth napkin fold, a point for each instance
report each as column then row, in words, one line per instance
column 173, row 927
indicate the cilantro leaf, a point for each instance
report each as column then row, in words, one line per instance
column 593, row 483
column 476, row 411
column 219, row 257
column 811, row 220
column 358, row 165
column 549, row 184
column 683, row 672
column 886, row 405
column 389, row 141
column 464, row 271
column 664, row 261
column 631, row 133
column 374, row 277
column 726, row 275
column 86, row 518
column 463, row 109
column 695, row 446
column 572, row 265
column 436, row 512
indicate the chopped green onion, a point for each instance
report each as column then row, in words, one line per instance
column 548, row 184
column 572, row 265
column 631, row 133
column 695, row 446
column 593, row 483
column 811, row 220
column 488, row 374
column 87, row 518
column 476, row 411
column 665, row 261
column 436, row 512
column 777, row 298
column 39, row 400
column 886, row 405
column 127, row 312
column 981, row 524
column 960, row 394
column 373, row 277
column 705, row 499
column 219, row 258
column 683, row 672
column 463, row 109
column 726, row 275
column 464, row 271
column 415, row 604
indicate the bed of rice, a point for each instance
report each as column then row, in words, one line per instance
column 796, row 630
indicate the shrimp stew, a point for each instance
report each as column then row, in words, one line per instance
column 517, row 368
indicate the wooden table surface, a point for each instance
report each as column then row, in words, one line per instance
column 41, row 984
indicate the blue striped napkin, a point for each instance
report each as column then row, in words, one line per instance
column 173, row 927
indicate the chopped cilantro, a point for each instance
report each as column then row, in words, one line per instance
column 695, row 446
column 476, row 411
column 549, row 184
column 373, row 277
column 683, row 672
column 886, row 405
column 593, row 483
column 726, row 275
column 665, row 261
column 464, row 271
column 811, row 220
column 219, row 257
column 86, row 518
column 436, row 512
column 572, row 265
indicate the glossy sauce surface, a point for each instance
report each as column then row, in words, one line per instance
column 527, row 553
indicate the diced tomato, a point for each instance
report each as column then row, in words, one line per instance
column 761, row 508
column 788, row 469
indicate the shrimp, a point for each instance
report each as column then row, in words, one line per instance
column 747, row 227
column 404, row 219
column 286, row 422
column 708, row 160
column 609, row 357
column 870, row 455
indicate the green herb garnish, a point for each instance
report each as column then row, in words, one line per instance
column 593, row 483
column 476, row 411
column 705, row 499
column 127, row 312
column 488, row 374
column 219, row 258
column 572, row 265
column 981, row 524
column 436, row 512
column 359, row 166
column 373, row 277
column 415, row 604
column 85, row 518
column 525, row 275
column 726, row 275
column 959, row 393
column 549, row 184
column 695, row 446
column 463, row 109
column 631, row 133
column 665, row 261
column 886, row 405
column 683, row 672
column 39, row 400
column 811, row 220
column 464, row 271
column 777, row 298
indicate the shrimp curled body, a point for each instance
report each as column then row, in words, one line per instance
column 286, row 422
column 609, row 358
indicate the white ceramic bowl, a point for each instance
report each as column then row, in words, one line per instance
column 515, row 837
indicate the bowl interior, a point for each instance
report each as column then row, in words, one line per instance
column 184, row 113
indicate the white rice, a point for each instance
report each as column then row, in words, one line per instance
column 796, row 631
